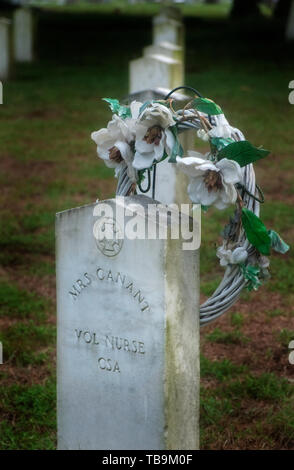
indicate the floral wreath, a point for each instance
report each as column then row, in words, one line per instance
column 141, row 135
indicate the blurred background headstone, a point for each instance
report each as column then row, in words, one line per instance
column 23, row 35
column 5, row 48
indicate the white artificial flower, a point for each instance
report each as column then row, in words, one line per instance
column 135, row 107
column 237, row 256
column 263, row 262
column 203, row 135
column 211, row 183
column 222, row 129
column 113, row 143
column 153, row 136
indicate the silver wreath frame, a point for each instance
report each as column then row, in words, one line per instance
column 233, row 282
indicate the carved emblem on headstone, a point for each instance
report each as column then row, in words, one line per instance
column 108, row 236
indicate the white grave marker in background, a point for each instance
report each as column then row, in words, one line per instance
column 153, row 71
column 290, row 24
column 168, row 27
column 23, row 35
column 5, row 48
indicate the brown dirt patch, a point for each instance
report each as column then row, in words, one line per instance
column 264, row 352
column 30, row 375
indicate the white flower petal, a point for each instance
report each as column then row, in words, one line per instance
column 264, row 262
column 230, row 170
column 223, row 262
column 143, row 160
column 199, row 194
column 228, row 194
column 239, row 255
column 220, row 204
column 141, row 131
column 194, row 166
column 125, row 151
column 135, row 108
column 157, row 114
column 170, row 141
column 193, row 153
column 221, row 131
column 112, row 164
column 224, row 255
column 143, row 147
column 103, row 152
column 101, row 136
column 203, row 135
column 227, row 256
column 159, row 150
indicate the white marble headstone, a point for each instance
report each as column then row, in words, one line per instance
column 290, row 23
column 128, row 338
column 168, row 29
column 155, row 71
column 5, row 48
column 164, row 48
column 168, row 49
column 23, row 35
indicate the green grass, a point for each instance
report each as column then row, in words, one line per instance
column 227, row 337
column 267, row 387
column 214, row 410
column 233, row 406
column 221, row 370
column 27, row 343
column 19, row 303
column 29, row 420
column 122, row 7
column 285, row 336
column 237, row 319
column 274, row 313
column 282, row 424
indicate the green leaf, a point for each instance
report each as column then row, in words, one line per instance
column 177, row 150
column 220, row 142
column 250, row 274
column 278, row 243
column 256, row 232
column 207, row 106
column 117, row 108
column 113, row 104
column 242, row 152
column 124, row 112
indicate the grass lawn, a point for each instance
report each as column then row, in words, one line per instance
column 48, row 164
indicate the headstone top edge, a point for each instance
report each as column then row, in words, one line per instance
column 155, row 93
column 123, row 202
column 169, row 45
column 164, row 19
column 72, row 209
column 131, row 199
column 159, row 57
